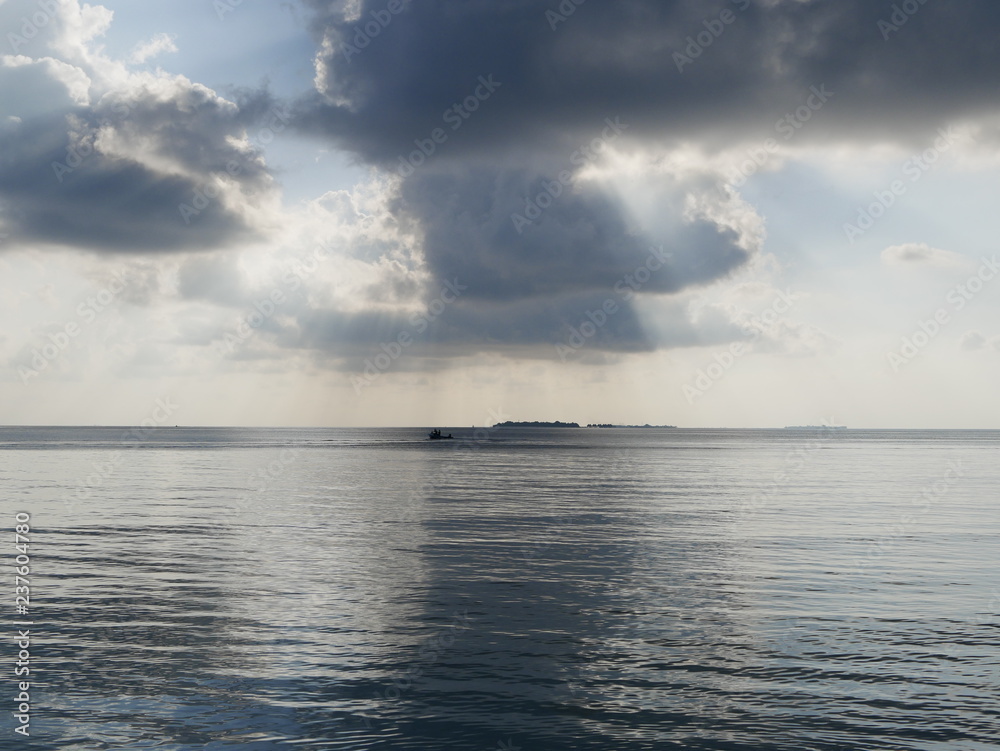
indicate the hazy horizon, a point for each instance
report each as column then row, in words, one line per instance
column 445, row 426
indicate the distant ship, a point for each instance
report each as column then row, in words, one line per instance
column 435, row 435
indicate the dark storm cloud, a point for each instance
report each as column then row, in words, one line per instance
column 620, row 58
column 513, row 88
column 470, row 326
column 578, row 243
column 59, row 185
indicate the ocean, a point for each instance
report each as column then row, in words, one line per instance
column 210, row 588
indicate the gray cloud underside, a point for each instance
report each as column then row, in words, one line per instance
column 530, row 328
column 85, row 198
column 617, row 59
column 579, row 244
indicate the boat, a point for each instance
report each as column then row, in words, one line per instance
column 435, row 435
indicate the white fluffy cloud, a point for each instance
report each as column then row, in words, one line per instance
column 96, row 154
column 153, row 47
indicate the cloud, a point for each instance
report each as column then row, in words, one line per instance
column 536, row 162
column 94, row 155
column 380, row 85
column 151, row 48
column 975, row 341
column 509, row 144
column 484, row 108
column 216, row 277
column 103, row 202
column 972, row 341
column 921, row 255
column 24, row 78
column 581, row 243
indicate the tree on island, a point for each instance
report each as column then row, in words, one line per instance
column 536, row 424
column 558, row 424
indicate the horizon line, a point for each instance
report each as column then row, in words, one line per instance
column 486, row 427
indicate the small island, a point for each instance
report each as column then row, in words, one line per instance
column 559, row 424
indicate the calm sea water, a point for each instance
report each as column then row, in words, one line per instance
column 531, row 589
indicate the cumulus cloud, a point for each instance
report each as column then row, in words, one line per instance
column 509, row 145
column 582, row 242
column 488, row 110
column 382, row 85
column 532, row 160
column 151, row 48
column 24, row 77
column 96, row 155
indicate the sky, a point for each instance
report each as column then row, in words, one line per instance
column 726, row 213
